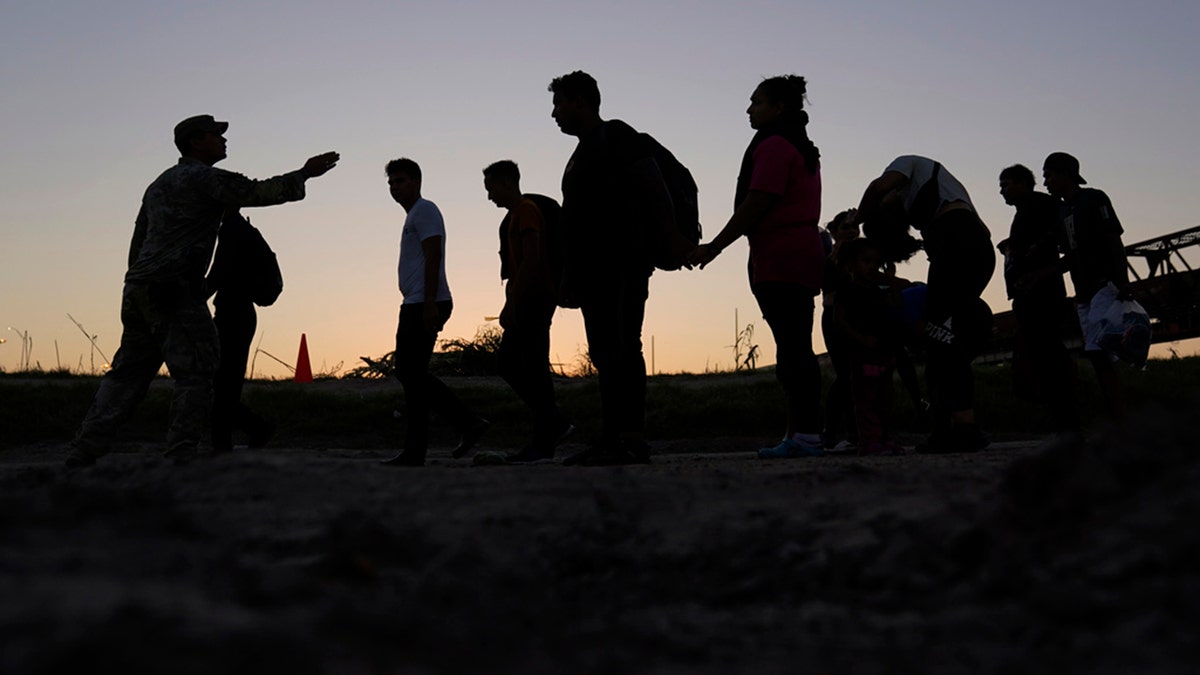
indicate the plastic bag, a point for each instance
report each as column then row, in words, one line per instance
column 1120, row 327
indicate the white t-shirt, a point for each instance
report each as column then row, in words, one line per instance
column 424, row 220
column 919, row 171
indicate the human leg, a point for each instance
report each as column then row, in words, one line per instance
column 788, row 310
column 525, row 365
column 135, row 364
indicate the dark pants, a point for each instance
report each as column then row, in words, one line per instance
column 236, row 321
column 839, row 408
column 788, row 310
column 423, row 392
column 1043, row 367
column 162, row 323
column 525, row 366
column 961, row 262
column 612, row 320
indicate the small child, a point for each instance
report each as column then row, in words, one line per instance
column 868, row 315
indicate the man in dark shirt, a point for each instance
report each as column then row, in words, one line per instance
column 615, row 206
column 1033, row 277
column 1094, row 254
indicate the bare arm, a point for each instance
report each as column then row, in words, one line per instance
column 749, row 213
column 432, row 248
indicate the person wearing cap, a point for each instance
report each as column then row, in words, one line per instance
column 164, row 312
column 1090, row 240
column 955, row 322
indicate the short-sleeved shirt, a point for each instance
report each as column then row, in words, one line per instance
column 930, row 186
column 786, row 244
column 424, row 220
column 1033, row 245
column 526, row 217
column 1086, row 219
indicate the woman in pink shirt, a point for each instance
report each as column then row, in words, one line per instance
column 777, row 206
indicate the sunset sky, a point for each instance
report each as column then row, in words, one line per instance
column 92, row 90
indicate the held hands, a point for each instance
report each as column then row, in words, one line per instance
column 703, row 254
column 320, row 165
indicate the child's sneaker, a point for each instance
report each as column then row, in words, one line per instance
column 789, row 448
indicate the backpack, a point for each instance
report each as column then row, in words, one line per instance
column 684, row 198
column 244, row 264
column 555, row 253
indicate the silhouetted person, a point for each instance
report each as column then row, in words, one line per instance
column 868, row 314
column 233, row 278
column 955, row 323
column 1095, row 255
column 1033, row 277
column 164, row 312
column 615, row 208
column 529, row 304
column 839, row 433
column 777, row 206
column 426, row 308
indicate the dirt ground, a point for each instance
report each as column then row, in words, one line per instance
column 1017, row 559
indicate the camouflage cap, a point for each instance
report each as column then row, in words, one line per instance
column 1065, row 164
column 200, row 124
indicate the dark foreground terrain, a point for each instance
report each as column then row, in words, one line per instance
column 1014, row 560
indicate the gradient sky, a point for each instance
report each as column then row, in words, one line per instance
column 93, row 89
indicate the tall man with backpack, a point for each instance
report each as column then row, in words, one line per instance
column 531, row 262
column 619, row 222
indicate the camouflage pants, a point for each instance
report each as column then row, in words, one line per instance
column 163, row 323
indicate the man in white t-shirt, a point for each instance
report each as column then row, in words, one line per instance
column 425, row 309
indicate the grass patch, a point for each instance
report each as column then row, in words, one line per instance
column 45, row 408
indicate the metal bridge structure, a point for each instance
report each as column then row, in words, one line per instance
column 1164, row 282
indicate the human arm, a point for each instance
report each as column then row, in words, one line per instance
column 749, row 213
column 529, row 280
column 235, row 190
column 431, row 247
column 139, row 235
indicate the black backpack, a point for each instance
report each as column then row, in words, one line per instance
column 244, row 264
column 684, row 198
column 555, row 246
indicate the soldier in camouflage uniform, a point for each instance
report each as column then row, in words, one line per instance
column 164, row 311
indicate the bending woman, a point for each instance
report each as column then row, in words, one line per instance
column 777, row 205
column 956, row 322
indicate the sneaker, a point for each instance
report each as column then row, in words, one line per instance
column 406, row 458
column 531, row 455
column 843, row 447
column 789, row 448
column 470, row 437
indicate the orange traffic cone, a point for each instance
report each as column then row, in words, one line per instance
column 303, row 367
